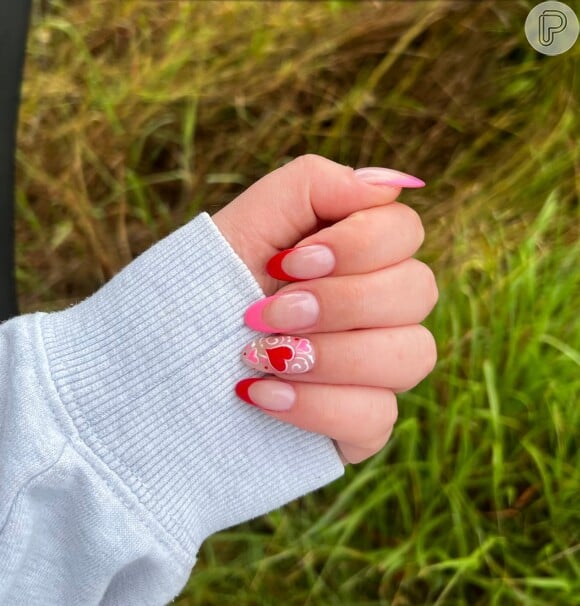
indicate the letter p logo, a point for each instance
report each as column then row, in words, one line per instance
column 552, row 27
column 550, row 23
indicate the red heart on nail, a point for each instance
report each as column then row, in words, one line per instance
column 278, row 357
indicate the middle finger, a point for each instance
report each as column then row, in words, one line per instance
column 398, row 295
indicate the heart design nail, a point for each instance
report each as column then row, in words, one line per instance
column 278, row 353
column 278, row 357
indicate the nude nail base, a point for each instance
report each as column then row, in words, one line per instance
column 275, row 396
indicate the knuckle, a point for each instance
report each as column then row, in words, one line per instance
column 375, row 446
column 428, row 350
column 422, row 352
column 384, row 420
column 357, row 220
column 391, row 412
column 360, row 455
column 379, row 442
column 433, row 289
column 308, row 163
column 415, row 224
column 429, row 283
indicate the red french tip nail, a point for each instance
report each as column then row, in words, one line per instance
column 242, row 390
column 274, row 266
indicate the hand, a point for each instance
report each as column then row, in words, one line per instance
column 352, row 338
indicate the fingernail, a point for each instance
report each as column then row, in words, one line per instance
column 269, row 395
column 281, row 313
column 302, row 263
column 374, row 175
column 290, row 355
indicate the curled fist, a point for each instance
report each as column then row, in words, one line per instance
column 342, row 335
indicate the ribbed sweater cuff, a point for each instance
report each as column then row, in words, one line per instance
column 146, row 369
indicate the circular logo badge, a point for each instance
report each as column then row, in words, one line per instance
column 552, row 28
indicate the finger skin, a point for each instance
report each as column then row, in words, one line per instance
column 360, row 419
column 290, row 203
column 353, row 453
column 394, row 358
column 399, row 295
column 371, row 239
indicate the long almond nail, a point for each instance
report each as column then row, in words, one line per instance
column 374, row 175
column 302, row 263
column 291, row 311
column 267, row 394
column 290, row 355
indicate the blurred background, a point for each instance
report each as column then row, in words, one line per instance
column 136, row 115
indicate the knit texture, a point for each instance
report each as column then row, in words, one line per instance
column 137, row 387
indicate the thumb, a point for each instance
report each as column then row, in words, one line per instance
column 298, row 199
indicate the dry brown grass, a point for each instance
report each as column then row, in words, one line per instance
column 137, row 114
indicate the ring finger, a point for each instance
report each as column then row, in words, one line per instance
column 395, row 358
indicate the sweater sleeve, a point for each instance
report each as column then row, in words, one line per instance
column 122, row 443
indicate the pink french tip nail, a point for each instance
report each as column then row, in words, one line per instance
column 374, row 175
column 290, row 312
column 289, row 355
column 253, row 315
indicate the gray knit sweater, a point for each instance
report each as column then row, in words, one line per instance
column 122, row 443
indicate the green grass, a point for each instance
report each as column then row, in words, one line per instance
column 136, row 115
column 475, row 498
